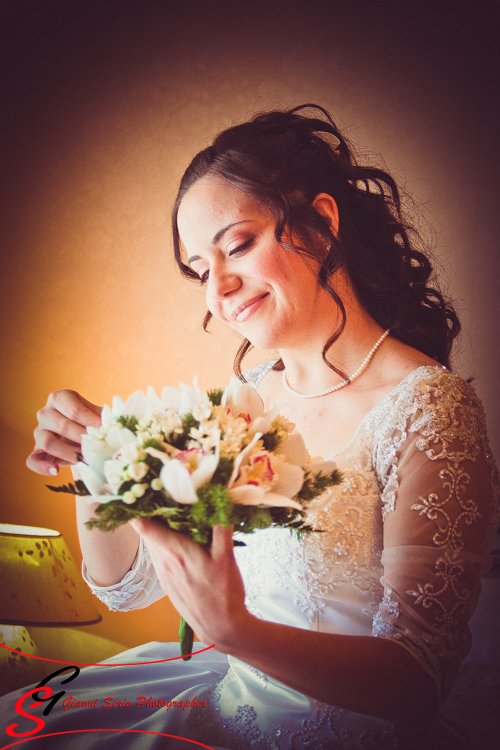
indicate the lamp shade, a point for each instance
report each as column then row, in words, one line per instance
column 39, row 581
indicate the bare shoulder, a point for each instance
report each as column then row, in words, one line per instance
column 397, row 361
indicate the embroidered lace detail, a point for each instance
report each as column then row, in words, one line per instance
column 449, row 570
column 255, row 375
column 349, row 549
column 275, row 556
column 383, row 622
column 329, row 729
column 115, row 600
column 115, row 597
column 451, row 422
column 449, row 533
column 437, row 420
column 429, row 650
column 238, row 732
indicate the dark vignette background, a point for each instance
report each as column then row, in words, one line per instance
column 103, row 104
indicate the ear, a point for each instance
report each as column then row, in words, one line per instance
column 326, row 206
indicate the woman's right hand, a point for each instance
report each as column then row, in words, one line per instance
column 61, row 424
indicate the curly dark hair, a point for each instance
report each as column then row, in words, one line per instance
column 284, row 159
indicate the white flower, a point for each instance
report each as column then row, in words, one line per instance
column 294, row 450
column 240, row 398
column 251, row 495
column 285, row 482
column 191, row 399
column 95, row 453
column 138, row 471
column 114, row 471
column 181, row 476
column 135, row 406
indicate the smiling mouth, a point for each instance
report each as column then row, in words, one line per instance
column 244, row 310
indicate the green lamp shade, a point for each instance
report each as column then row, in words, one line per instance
column 39, row 581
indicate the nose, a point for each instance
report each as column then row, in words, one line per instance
column 222, row 281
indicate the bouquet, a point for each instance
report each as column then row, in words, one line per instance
column 196, row 460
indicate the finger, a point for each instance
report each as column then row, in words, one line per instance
column 53, row 420
column 56, row 446
column 42, row 463
column 155, row 533
column 222, row 541
column 75, row 408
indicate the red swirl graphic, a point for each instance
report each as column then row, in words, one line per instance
column 137, row 731
column 84, row 664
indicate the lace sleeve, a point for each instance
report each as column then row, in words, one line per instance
column 441, row 501
column 138, row 589
column 255, row 375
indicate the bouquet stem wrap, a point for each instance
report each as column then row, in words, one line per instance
column 186, row 638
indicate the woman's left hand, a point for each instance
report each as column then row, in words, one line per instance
column 205, row 587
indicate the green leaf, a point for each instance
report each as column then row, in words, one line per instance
column 271, row 440
column 70, row 489
column 223, row 471
column 125, row 486
column 215, row 396
column 315, row 485
column 128, row 421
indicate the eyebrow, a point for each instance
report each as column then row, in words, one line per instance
column 219, row 236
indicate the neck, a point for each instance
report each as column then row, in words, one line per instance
column 306, row 371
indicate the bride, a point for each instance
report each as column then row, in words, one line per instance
column 351, row 638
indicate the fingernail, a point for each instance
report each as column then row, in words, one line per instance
column 53, row 470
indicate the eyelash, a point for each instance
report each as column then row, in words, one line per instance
column 241, row 248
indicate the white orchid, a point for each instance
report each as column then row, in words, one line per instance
column 242, row 400
column 276, row 487
column 183, row 475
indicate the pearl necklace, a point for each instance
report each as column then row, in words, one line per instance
column 345, row 382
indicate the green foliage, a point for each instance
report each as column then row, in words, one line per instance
column 315, row 485
column 152, row 443
column 215, row 396
column 111, row 515
column 214, row 506
column 125, row 486
column 155, row 465
column 128, row 421
column 179, row 441
column 71, row 489
column 223, row 471
column 271, row 440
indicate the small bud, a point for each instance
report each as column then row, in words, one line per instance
column 128, row 498
column 157, row 484
column 138, row 490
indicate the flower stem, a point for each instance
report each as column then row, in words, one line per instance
column 186, row 637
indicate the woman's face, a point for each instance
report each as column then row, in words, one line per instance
column 264, row 292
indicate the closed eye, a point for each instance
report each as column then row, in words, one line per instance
column 240, row 249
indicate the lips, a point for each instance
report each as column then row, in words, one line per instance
column 244, row 310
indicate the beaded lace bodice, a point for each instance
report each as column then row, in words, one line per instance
column 404, row 538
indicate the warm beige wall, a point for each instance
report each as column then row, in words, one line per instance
column 107, row 108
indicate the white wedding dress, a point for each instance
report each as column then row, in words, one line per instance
column 406, row 537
